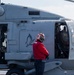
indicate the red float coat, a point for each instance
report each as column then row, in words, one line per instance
column 39, row 51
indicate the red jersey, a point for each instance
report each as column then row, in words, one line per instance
column 39, row 51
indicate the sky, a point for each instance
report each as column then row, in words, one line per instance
column 60, row 7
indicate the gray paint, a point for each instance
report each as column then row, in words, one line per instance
column 21, row 33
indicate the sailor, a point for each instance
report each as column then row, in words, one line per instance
column 40, row 54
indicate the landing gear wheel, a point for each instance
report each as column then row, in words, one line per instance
column 15, row 72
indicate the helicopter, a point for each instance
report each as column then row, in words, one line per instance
column 19, row 26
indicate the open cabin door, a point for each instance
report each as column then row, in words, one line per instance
column 71, row 37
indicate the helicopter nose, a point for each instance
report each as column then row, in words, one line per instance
column 1, row 11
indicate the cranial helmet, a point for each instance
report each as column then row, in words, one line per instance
column 41, row 37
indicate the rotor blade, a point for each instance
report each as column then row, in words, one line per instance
column 70, row 0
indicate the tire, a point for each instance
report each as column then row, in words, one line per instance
column 15, row 72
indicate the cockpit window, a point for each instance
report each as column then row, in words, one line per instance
column 61, row 40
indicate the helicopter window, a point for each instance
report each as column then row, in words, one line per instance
column 3, row 33
column 61, row 40
column 34, row 13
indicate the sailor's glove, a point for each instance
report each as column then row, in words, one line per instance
column 47, row 57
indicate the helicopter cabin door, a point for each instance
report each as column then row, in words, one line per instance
column 71, row 37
